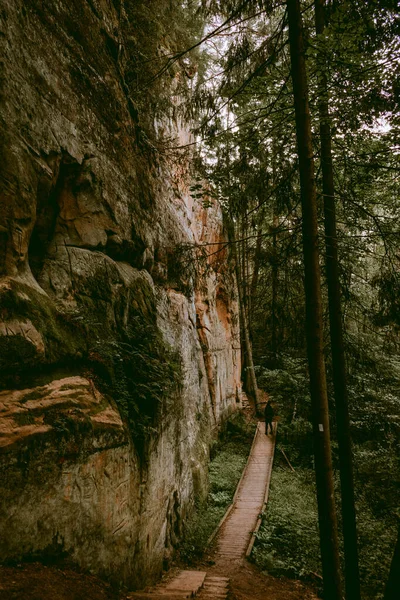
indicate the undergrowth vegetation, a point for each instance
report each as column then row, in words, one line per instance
column 288, row 541
column 228, row 458
column 143, row 374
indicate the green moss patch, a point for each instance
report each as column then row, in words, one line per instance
column 139, row 370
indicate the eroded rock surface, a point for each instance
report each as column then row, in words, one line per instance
column 91, row 225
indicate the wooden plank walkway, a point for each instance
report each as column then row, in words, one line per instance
column 236, row 533
column 185, row 585
column 235, row 537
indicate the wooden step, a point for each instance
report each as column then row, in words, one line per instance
column 185, row 585
column 158, row 595
column 190, row 581
column 214, row 588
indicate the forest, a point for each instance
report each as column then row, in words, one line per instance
column 290, row 113
column 296, row 134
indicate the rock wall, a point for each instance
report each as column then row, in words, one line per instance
column 92, row 225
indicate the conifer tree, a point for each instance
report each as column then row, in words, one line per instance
column 352, row 578
column 314, row 321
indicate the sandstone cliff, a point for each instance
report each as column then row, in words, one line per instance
column 118, row 363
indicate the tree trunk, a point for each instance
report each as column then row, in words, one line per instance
column 244, row 262
column 314, row 325
column 274, row 283
column 255, row 276
column 274, row 319
column 352, row 574
column 237, row 254
column 393, row 583
column 250, row 372
column 241, row 253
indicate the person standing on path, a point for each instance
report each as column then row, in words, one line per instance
column 269, row 415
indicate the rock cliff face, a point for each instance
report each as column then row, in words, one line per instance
column 118, row 362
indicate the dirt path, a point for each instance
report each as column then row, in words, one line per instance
column 35, row 581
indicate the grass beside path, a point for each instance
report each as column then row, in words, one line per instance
column 288, row 541
column 228, row 459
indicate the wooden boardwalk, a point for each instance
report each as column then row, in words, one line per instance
column 235, row 538
column 236, row 535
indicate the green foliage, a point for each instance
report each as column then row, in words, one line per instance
column 288, row 388
column 157, row 69
column 288, row 539
column 220, row 498
column 287, row 542
column 226, row 468
column 143, row 374
column 296, row 440
column 249, row 156
column 374, row 390
column 229, row 458
column 287, row 385
column 377, row 538
column 388, row 284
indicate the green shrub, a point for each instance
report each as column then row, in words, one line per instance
column 288, row 386
column 376, row 539
column 288, row 542
column 143, row 374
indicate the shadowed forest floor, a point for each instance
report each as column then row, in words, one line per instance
column 35, row 581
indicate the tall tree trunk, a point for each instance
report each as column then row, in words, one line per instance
column 250, row 372
column 274, row 283
column 352, row 574
column 283, row 329
column 255, row 273
column 247, row 275
column 314, row 325
column 243, row 245
column 241, row 253
column 237, row 255
column 393, row 583
column 274, row 318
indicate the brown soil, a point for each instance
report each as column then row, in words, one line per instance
column 34, row 581
column 248, row 583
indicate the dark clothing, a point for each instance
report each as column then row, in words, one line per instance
column 269, row 412
column 269, row 415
